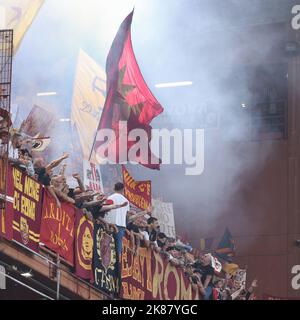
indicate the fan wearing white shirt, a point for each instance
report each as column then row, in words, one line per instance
column 118, row 216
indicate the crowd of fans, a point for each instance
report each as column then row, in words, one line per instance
column 114, row 213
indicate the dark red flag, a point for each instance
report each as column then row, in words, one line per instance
column 128, row 100
column 57, row 227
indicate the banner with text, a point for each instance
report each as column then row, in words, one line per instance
column 92, row 176
column 148, row 276
column 138, row 193
column 27, row 208
column 163, row 211
column 57, row 227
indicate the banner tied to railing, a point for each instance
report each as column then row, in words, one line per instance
column 21, row 218
column 57, row 227
column 138, row 193
column 105, row 261
column 147, row 275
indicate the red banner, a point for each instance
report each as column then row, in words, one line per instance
column 27, row 207
column 136, row 273
column 83, row 246
column 148, row 276
column 138, row 193
column 21, row 218
column 57, row 227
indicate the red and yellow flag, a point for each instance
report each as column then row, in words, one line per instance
column 57, row 227
column 138, row 193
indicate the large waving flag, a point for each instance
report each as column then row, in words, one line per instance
column 18, row 15
column 226, row 247
column 128, row 101
column 88, row 101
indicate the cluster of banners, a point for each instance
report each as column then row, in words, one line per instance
column 95, row 255
column 33, row 218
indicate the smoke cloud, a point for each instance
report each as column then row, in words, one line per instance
column 183, row 40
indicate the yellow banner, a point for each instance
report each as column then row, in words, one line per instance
column 18, row 15
column 88, row 101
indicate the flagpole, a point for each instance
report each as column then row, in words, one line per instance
column 93, row 143
column 107, row 93
column 58, row 276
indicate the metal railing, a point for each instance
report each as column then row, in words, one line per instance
column 6, row 54
column 59, row 268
